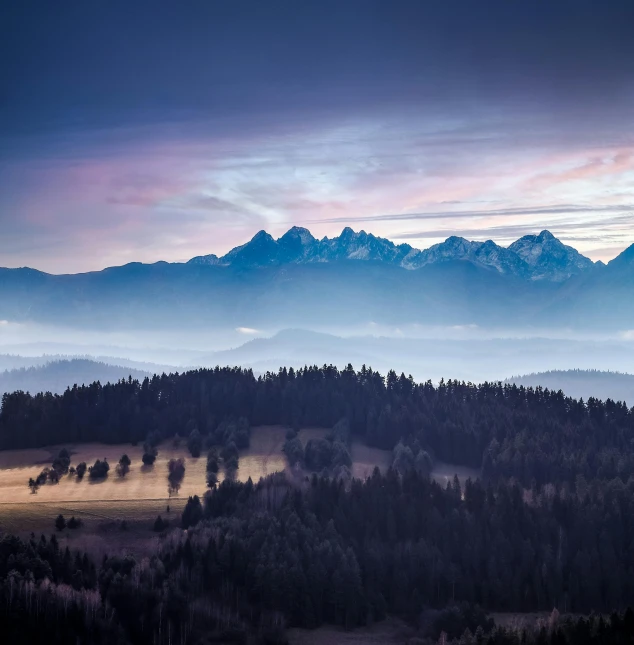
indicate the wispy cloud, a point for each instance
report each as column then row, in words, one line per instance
column 560, row 209
column 249, row 331
column 611, row 229
column 175, row 194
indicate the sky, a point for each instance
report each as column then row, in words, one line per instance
column 146, row 131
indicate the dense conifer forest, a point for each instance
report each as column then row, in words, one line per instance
column 257, row 558
column 533, row 435
column 547, row 527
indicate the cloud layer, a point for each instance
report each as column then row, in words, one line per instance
column 411, row 120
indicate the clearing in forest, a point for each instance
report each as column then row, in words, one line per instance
column 143, row 493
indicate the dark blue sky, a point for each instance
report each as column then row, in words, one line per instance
column 161, row 130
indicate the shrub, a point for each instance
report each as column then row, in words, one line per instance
column 62, row 462
column 212, row 462
column 148, row 458
column 74, row 523
column 229, row 451
column 123, row 467
column 99, row 470
column 294, row 450
column 149, row 453
column 193, row 512
column 212, row 479
column 42, row 477
column 195, row 443
column 231, row 467
column 160, row 524
column 175, row 474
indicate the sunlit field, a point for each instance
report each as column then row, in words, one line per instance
column 263, row 457
column 137, row 498
column 143, row 493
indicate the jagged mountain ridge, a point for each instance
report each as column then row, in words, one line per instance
column 533, row 257
column 295, row 282
column 549, row 258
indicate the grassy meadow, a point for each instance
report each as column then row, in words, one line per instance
column 143, row 493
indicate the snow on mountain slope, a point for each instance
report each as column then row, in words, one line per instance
column 548, row 258
column 534, row 257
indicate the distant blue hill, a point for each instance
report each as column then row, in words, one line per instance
column 583, row 384
column 57, row 376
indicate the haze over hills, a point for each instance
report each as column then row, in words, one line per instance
column 475, row 360
column 578, row 367
column 15, row 361
column 56, row 376
column 354, row 279
column 583, row 383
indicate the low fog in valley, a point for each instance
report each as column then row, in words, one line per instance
column 38, row 358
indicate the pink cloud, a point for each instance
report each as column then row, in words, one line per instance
column 172, row 199
column 609, row 163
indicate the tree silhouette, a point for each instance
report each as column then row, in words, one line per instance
column 123, row 467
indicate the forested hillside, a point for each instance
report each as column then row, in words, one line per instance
column 257, row 558
column 533, row 435
column 547, row 526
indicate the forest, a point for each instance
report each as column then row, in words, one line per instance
column 547, row 528
column 258, row 558
column 534, row 436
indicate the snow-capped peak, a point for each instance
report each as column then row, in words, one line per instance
column 549, row 258
column 535, row 257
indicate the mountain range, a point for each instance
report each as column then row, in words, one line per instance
column 350, row 280
column 534, row 257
